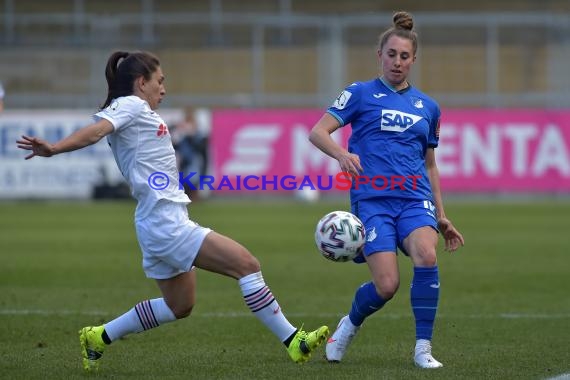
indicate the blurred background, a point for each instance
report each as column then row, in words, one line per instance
column 497, row 68
column 283, row 53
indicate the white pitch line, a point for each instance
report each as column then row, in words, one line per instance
column 46, row 312
column 533, row 316
column 50, row 312
column 564, row 376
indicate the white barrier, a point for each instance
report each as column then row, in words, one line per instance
column 67, row 176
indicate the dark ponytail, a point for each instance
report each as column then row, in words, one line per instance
column 121, row 75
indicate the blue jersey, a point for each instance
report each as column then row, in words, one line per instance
column 391, row 132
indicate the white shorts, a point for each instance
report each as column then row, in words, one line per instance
column 169, row 240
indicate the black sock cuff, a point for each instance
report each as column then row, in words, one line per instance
column 105, row 337
column 287, row 341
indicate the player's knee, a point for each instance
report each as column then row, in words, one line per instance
column 248, row 264
column 387, row 287
column 182, row 311
column 425, row 257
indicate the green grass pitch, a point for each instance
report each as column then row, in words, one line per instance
column 504, row 310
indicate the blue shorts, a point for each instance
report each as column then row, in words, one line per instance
column 389, row 221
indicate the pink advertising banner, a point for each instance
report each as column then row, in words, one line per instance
column 479, row 151
column 499, row 150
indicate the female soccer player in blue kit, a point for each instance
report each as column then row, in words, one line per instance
column 395, row 129
column 171, row 244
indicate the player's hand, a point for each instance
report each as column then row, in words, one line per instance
column 453, row 239
column 38, row 147
column 350, row 163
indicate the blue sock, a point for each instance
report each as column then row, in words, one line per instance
column 366, row 302
column 424, row 296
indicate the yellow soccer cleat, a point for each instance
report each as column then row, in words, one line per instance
column 92, row 346
column 304, row 343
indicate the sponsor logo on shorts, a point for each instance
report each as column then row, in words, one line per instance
column 371, row 235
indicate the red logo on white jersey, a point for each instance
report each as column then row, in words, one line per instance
column 162, row 130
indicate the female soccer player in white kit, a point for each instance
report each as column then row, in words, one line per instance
column 171, row 244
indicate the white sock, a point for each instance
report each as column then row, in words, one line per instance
column 144, row 316
column 260, row 300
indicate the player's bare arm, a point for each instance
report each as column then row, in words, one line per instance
column 320, row 136
column 453, row 238
column 86, row 136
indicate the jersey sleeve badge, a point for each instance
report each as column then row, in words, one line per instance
column 341, row 100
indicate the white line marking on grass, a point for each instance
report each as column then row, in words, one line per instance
column 564, row 376
column 50, row 312
column 245, row 314
column 533, row 316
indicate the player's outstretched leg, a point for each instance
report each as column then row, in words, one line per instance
column 92, row 346
column 340, row 340
column 143, row 316
column 423, row 357
column 260, row 300
column 304, row 343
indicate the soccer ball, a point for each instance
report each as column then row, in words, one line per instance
column 339, row 236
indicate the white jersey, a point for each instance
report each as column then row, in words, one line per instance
column 144, row 153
